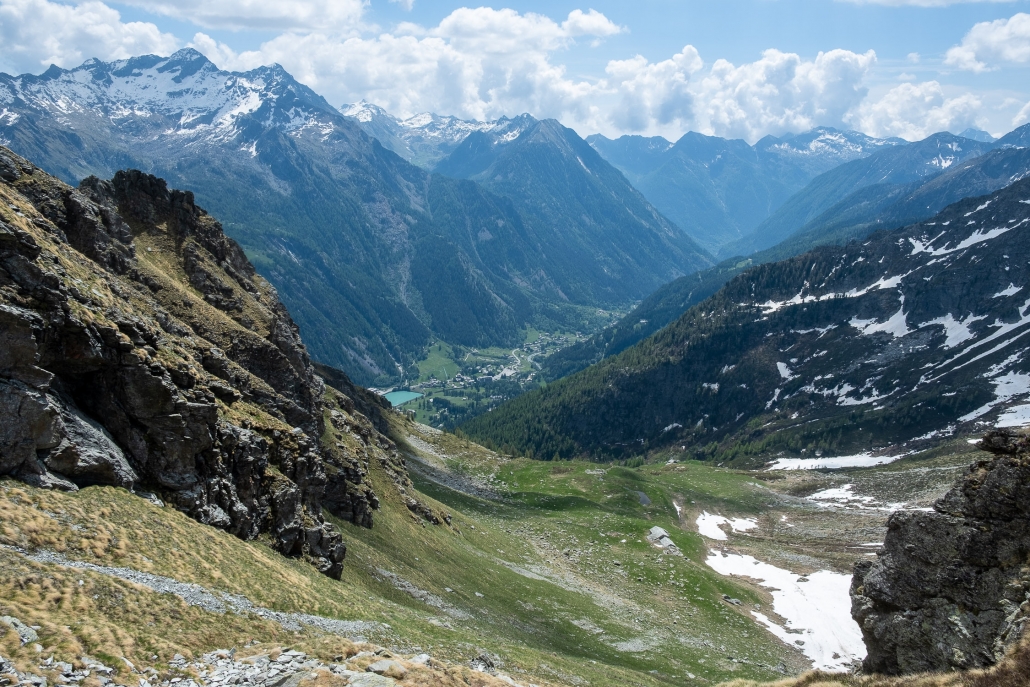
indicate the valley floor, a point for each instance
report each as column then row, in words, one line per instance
column 545, row 569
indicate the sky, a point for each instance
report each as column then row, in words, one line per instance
column 731, row 68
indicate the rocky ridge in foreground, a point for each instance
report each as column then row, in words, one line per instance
column 950, row 589
column 139, row 348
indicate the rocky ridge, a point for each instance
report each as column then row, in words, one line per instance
column 367, row 666
column 139, row 348
column 950, row 589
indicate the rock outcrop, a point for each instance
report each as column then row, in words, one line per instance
column 139, row 348
column 950, row 589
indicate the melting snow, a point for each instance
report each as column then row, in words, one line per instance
column 957, row 331
column 861, row 460
column 1016, row 416
column 895, row 325
column 1010, row 291
column 841, row 495
column 784, row 371
column 820, row 608
column 978, row 209
column 708, row 525
column 976, row 237
column 1005, row 387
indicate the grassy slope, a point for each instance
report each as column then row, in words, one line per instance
column 561, row 620
column 539, row 542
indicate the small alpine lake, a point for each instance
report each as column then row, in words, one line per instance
column 399, row 398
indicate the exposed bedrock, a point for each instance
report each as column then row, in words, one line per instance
column 139, row 349
column 950, row 589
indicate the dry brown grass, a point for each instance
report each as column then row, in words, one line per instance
column 1013, row 671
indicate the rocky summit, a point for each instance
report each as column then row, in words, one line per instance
column 950, row 589
column 139, row 348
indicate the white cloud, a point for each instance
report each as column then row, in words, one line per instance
column 37, row 33
column 914, row 111
column 658, row 93
column 781, row 92
column 1004, row 40
column 1022, row 117
column 406, row 4
column 277, row 15
column 479, row 63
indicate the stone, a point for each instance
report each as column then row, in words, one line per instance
column 371, row 680
column 950, row 589
column 25, row 633
column 387, row 667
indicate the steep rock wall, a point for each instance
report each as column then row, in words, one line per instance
column 139, row 348
column 950, row 589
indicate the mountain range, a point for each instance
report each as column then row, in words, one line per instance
column 374, row 256
column 719, row 190
column 911, row 335
column 876, row 206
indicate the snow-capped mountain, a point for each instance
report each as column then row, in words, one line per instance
column 719, row 190
column 824, row 147
column 913, row 336
column 423, row 139
column 884, row 168
column 373, row 255
column 184, row 97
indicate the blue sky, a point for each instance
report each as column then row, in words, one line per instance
column 739, row 68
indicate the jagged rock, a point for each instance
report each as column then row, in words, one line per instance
column 137, row 341
column 25, row 633
column 951, row 587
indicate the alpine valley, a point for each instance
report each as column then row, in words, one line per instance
column 660, row 413
column 374, row 256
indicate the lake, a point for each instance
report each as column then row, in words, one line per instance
column 399, row 398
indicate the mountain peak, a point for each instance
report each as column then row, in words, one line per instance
column 186, row 55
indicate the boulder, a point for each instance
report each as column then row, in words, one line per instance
column 950, row 590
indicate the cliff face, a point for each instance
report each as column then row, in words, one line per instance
column 951, row 588
column 139, row 348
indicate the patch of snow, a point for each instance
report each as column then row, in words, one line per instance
column 841, row 495
column 708, row 525
column 978, row 209
column 711, row 386
column 819, row 608
column 861, row 460
column 784, row 371
column 956, row 331
column 674, row 425
column 1016, row 416
column 976, row 237
column 895, row 325
column 1010, row 291
column 1006, row 387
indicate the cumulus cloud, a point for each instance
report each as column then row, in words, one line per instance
column 480, row 63
column 781, row 92
column 914, row 111
column 1003, row 40
column 261, row 14
column 38, row 33
column 654, row 93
